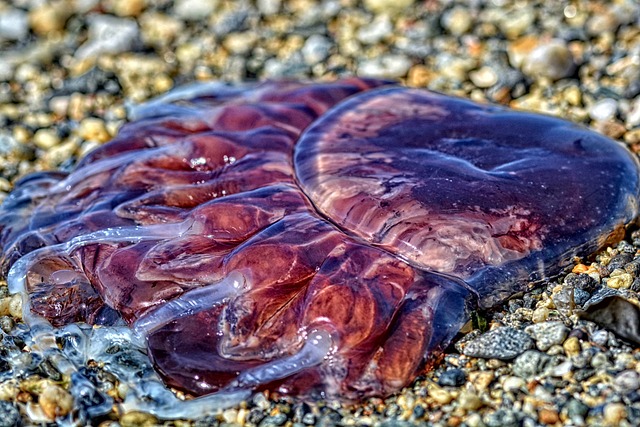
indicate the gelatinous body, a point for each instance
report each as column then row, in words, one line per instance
column 321, row 240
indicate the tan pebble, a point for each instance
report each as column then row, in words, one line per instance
column 611, row 128
column 387, row 6
column 93, row 129
column 137, row 419
column 573, row 95
column 15, row 306
column 548, row 416
column 484, row 77
column 469, row 401
column 540, row 315
column 49, row 17
column 162, row 83
column 125, row 7
column 614, row 413
column 474, row 420
column 4, row 306
column 518, row 50
column 55, row 401
column 9, row 390
column 46, row 138
column 441, row 396
column 454, row 421
column 633, row 137
column 419, row 76
column 21, row 134
column 622, row 281
column 571, row 346
column 481, row 379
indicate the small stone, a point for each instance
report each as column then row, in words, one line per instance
column 530, row 363
column 376, row 31
column 46, row 138
column 603, row 110
column 548, row 334
column 548, row 416
column 457, row 21
column 49, row 17
column 316, row 49
column 125, row 7
column 193, row 10
column 501, row 418
column 513, row 384
column 469, row 401
column 387, row 6
column 55, row 401
column 137, row 419
column 14, row 24
column 500, row 343
column 627, row 381
column 575, row 408
column 620, row 281
column 269, row 7
column 387, row 66
column 481, row 379
column 484, row 77
column 108, row 35
column 614, row 413
column 571, row 346
column 452, row 377
column 93, row 129
column 441, row 396
column 240, row 43
column 540, row 314
column 551, row 60
column 9, row 414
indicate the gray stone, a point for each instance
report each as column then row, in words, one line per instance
column 387, row 66
column 9, row 415
column 501, row 343
column 547, row 334
column 316, row 49
column 530, row 363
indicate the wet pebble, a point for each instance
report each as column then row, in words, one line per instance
column 14, row 24
column 500, row 343
column 9, row 415
column 316, row 49
column 530, row 363
column 551, row 60
column 547, row 334
column 603, row 110
column 387, row 66
column 452, row 377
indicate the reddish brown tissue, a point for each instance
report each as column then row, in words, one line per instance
column 321, row 240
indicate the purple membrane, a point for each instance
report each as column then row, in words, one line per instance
column 319, row 240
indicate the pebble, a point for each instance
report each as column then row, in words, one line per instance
column 55, row 401
column 194, row 10
column 457, row 20
column 512, row 384
column 500, row 343
column 9, row 415
column 469, row 401
column 483, row 77
column 603, row 110
column 571, row 346
column 376, row 31
column 138, row 419
column 387, row 66
column 387, row 6
column 452, row 377
column 316, row 49
column 269, row 7
column 530, row 363
column 14, row 24
column 551, row 60
column 93, row 129
column 108, row 34
column 627, row 381
column 46, row 138
column 614, row 413
column 547, row 334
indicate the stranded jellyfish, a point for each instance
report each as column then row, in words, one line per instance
column 319, row 240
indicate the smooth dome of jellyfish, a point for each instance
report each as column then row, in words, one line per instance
column 320, row 240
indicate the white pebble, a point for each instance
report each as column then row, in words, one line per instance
column 108, row 34
column 14, row 24
column 193, row 10
column 551, row 60
column 389, row 66
column 603, row 110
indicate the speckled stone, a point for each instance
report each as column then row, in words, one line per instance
column 500, row 343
